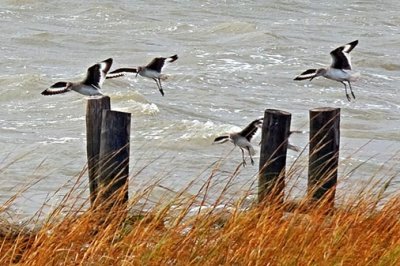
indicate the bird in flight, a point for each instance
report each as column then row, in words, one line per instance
column 151, row 70
column 242, row 138
column 90, row 86
column 339, row 70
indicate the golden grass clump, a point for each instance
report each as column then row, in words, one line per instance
column 188, row 230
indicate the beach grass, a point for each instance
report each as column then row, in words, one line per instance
column 199, row 229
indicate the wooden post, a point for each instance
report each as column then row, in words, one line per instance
column 114, row 157
column 324, row 154
column 94, row 109
column 274, row 141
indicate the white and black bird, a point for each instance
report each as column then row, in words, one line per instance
column 151, row 70
column 339, row 70
column 243, row 138
column 90, row 86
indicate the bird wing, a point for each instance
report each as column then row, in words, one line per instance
column 56, row 88
column 156, row 64
column 173, row 58
column 120, row 72
column 341, row 56
column 249, row 131
column 97, row 73
column 308, row 74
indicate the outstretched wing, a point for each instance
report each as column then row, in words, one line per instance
column 56, row 88
column 249, row 131
column 308, row 74
column 173, row 58
column 341, row 56
column 97, row 73
column 120, row 72
column 157, row 63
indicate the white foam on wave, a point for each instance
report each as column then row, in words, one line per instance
column 142, row 108
column 58, row 140
column 195, row 129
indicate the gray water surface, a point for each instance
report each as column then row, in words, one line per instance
column 236, row 58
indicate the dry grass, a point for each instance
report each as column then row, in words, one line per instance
column 176, row 231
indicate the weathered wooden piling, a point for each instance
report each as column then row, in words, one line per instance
column 274, row 142
column 324, row 154
column 114, row 157
column 94, row 110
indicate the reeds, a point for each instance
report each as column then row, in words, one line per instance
column 207, row 229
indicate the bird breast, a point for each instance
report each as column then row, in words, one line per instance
column 337, row 74
column 148, row 73
column 243, row 143
column 85, row 89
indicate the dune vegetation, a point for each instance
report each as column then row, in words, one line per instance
column 196, row 229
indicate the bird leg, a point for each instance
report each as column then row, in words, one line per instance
column 158, row 82
column 251, row 158
column 351, row 90
column 244, row 161
column 345, row 88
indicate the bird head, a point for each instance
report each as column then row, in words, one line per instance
column 69, row 85
column 139, row 69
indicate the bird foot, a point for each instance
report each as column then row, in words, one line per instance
column 348, row 97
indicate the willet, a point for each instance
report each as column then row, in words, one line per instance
column 90, row 86
column 151, row 70
column 339, row 70
column 242, row 139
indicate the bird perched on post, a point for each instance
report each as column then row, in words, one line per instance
column 151, row 70
column 243, row 138
column 339, row 70
column 90, row 86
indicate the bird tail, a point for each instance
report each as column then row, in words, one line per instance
column 251, row 150
column 355, row 76
column 163, row 77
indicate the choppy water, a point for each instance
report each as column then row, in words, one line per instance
column 236, row 58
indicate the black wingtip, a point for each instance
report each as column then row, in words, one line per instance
column 49, row 92
column 60, row 84
column 108, row 61
column 173, row 58
column 221, row 139
column 354, row 43
column 302, row 78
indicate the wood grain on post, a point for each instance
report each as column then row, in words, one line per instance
column 324, row 154
column 94, row 109
column 274, row 142
column 114, row 157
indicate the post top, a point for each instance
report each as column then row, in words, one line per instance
column 277, row 112
column 97, row 98
column 324, row 109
